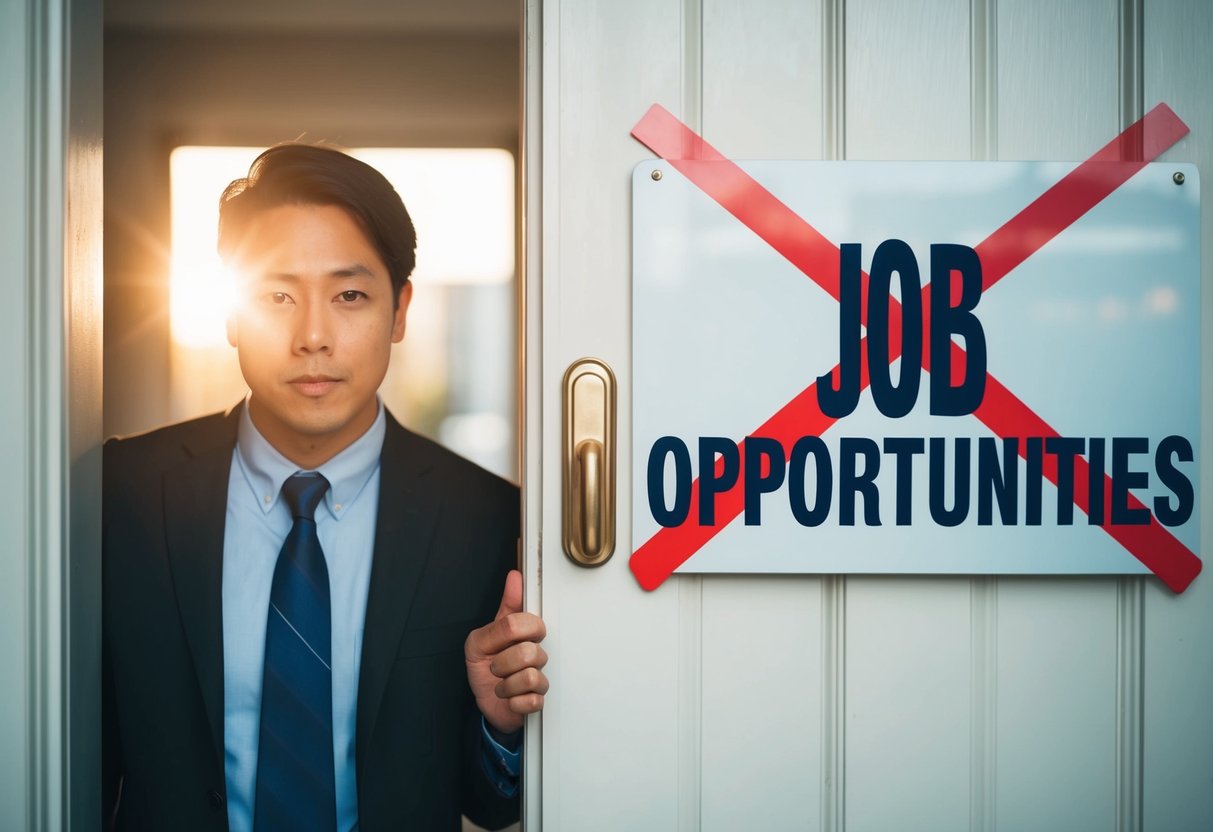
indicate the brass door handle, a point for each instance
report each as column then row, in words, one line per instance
column 589, row 462
column 589, row 457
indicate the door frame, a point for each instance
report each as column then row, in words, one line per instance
column 50, row 519
column 531, row 373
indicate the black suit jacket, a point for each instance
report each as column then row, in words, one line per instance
column 446, row 535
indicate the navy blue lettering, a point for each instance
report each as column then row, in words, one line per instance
column 663, row 447
column 1095, row 482
column 850, row 483
column 1123, row 480
column 938, row 481
column 839, row 402
column 823, row 479
column 1065, row 448
column 894, row 256
column 1033, row 480
column 948, row 320
column 1174, row 479
column 904, row 448
column 758, row 448
column 1001, row 480
column 711, row 480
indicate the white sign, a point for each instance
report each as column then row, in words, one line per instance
column 1064, row 439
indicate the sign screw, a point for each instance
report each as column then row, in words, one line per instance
column 657, row 175
column 1177, row 177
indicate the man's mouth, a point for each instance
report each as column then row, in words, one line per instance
column 314, row 385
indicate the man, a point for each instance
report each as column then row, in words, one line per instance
column 310, row 618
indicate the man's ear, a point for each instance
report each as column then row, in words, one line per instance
column 402, row 308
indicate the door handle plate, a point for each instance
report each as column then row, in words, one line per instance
column 588, row 478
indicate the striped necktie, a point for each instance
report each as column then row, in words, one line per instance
column 295, row 780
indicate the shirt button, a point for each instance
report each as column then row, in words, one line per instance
column 268, row 498
column 336, row 506
column 216, row 799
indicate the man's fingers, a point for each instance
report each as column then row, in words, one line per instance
column 527, row 703
column 528, row 680
column 519, row 657
column 511, row 596
column 497, row 635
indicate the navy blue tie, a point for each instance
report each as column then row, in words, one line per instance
column 295, row 781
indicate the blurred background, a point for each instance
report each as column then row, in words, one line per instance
column 429, row 93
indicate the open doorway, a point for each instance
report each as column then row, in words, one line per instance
column 387, row 75
column 366, row 75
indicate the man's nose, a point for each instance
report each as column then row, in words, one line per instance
column 313, row 331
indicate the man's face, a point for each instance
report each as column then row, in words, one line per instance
column 314, row 327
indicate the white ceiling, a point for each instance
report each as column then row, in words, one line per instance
column 411, row 16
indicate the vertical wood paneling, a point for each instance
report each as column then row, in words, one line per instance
column 762, row 78
column 907, row 751
column 907, row 85
column 690, row 587
column 834, row 587
column 761, row 707
column 1178, row 701
column 610, row 726
column 1132, row 61
column 1130, row 590
column 983, row 605
column 907, row 740
column 983, row 78
column 1130, row 635
column 834, row 79
column 1059, row 679
column 1058, row 78
column 761, row 99
column 1056, row 704
column 983, row 730
column 833, row 703
column 690, row 702
column 1130, row 681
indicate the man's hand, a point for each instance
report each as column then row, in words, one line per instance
column 505, row 661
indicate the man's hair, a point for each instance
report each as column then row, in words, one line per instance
column 304, row 174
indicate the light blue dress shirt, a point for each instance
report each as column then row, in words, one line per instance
column 257, row 522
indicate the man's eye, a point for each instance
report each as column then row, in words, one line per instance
column 279, row 297
column 351, row 295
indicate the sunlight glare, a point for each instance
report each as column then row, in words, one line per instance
column 202, row 290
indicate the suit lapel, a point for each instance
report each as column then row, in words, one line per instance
column 403, row 533
column 195, row 511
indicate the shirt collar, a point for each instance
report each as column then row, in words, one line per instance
column 265, row 469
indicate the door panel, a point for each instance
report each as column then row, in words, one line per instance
column 1056, row 701
column 1177, row 651
column 761, row 769
column 610, row 757
column 907, row 690
column 821, row 702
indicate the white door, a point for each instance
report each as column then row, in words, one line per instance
column 831, row 703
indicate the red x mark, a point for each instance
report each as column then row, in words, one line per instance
column 1025, row 233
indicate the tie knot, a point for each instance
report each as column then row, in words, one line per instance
column 303, row 492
